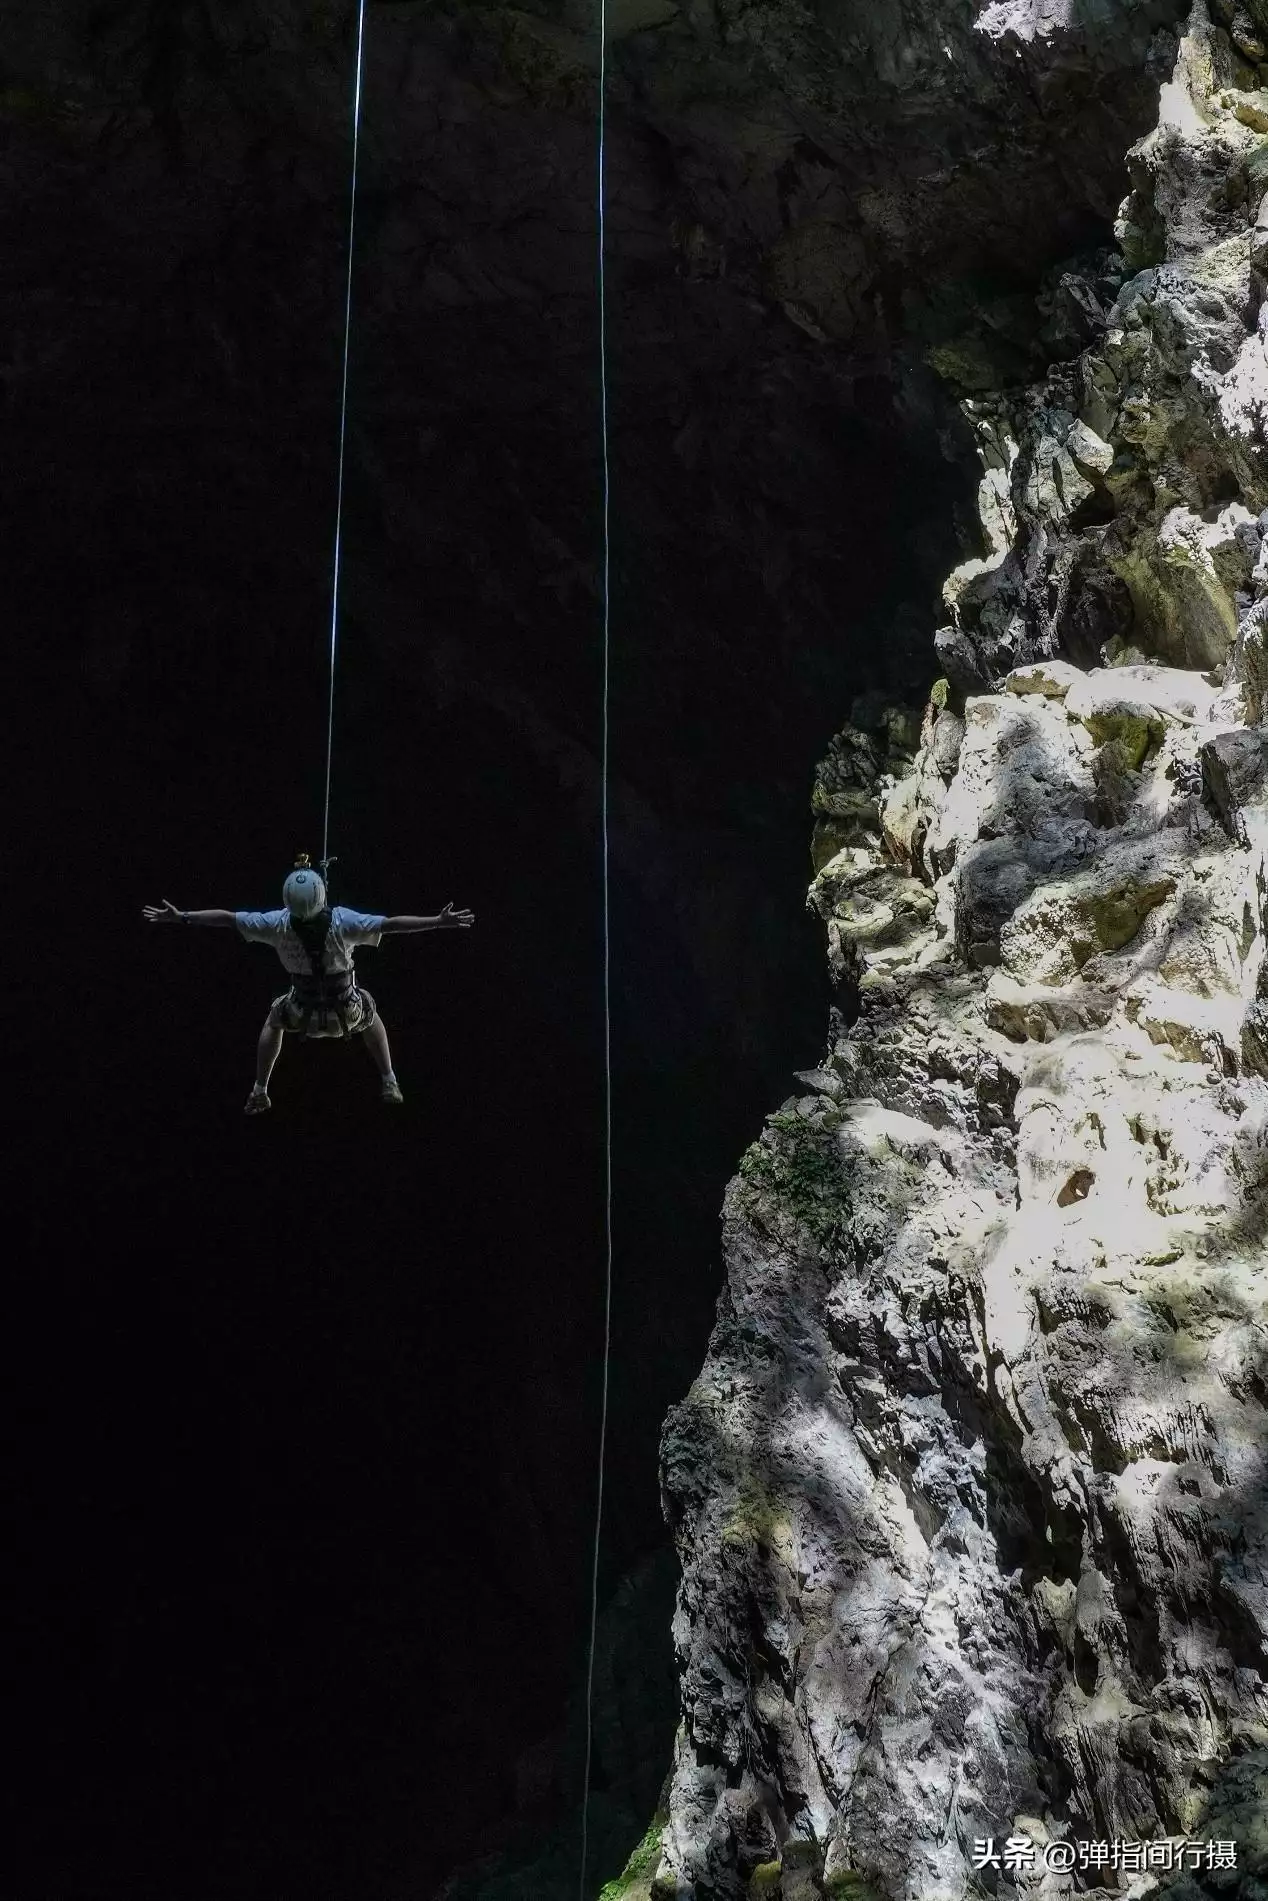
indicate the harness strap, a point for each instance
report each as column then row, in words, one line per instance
column 319, row 989
column 331, row 987
column 311, row 934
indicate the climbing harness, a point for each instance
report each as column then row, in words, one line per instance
column 312, row 933
column 343, row 433
column 606, row 610
column 322, row 994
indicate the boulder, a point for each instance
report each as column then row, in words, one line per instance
column 1234, row 773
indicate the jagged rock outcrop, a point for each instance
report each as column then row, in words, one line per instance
column 970, row 1494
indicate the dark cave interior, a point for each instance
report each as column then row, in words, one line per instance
column 310, row 1406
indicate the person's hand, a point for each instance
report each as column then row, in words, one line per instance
column 451, row 920
column 165, row 913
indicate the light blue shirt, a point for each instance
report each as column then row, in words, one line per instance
column 348, row 929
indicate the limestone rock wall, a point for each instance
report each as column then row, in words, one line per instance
column 970, row 1493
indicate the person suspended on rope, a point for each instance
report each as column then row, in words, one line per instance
column 315, row 942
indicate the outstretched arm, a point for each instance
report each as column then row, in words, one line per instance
column 446, row 920
column 167, row 913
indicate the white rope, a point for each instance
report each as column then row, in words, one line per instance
column 606, row 886
column 343, row 431
column 607, row 946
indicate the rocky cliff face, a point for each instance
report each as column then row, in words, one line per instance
column 970, row 1493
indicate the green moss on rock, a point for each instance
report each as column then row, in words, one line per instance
column 797, row 1166
column 1116, row 916
column 1132, row 730
column 634, row 1880
column 761, row 1519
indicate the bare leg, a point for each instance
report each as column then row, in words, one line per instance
column 267, row 1053
column 375, row 1040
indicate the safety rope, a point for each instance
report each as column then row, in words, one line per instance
column 343, row 432
column 607, row 941
column 604, row 829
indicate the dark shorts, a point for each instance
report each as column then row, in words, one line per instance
column 349, row 1017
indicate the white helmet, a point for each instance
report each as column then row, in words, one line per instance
column 304, row 894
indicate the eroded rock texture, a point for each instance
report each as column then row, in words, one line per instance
column 970, row 1494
